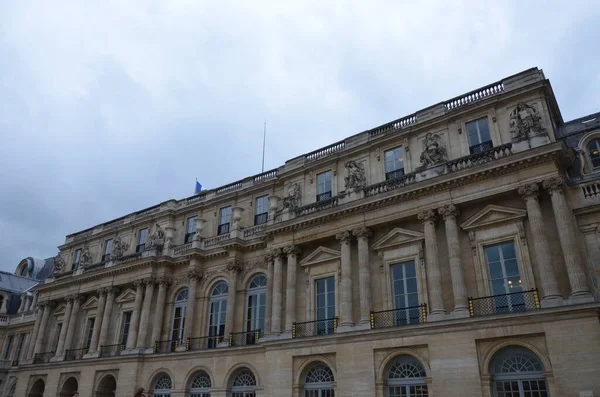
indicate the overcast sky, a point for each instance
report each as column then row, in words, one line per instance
column 108, row 107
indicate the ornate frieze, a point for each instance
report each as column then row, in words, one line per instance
column 235, row 266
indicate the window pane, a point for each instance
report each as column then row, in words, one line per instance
column 224, row 215
column 496, row 270
column 512, row 268
column 262, row 205
column 191, row 224
column 107, row 246
column 492, row 253
column 394, row 159
column 324, row 182
column 508, row 250
column 142, row 236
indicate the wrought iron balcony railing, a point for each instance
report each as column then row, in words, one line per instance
column 394, row 174
column 314, row 328
column 223, row 228
column 75, row 354
column 260, row 219
column 515, row 302
column 41, row 358
column 204, row 342
column 324, row 196
column 111, row 350
column 481, row 147
column 166, row 346
column 244, row 338
column 399, row 317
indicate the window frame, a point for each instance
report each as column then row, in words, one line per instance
column 90, row 324
column 8, row 347
column 107, row 248
column 257, row 293
column 260, row 218
column 481, row 146
column 325, row 194
column 125, row 324
column 76, row 259
column 224, row 227
column 396, row 172
column 217, row 299
column 141, row 246
column 189, row 235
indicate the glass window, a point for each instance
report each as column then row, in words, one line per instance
column 224, row 219
column 20, row 347
column 394, row 163
column 89, row 332
column 261, row 210
column 504, row 277
column 163, row 386
column 318, row 381
column 125, row 327
column 217, row 313
column 325, row 305
column 594, row 149
column 8, row 347
column 406, row 378
column 107, row 248
column 57, row 335
column 324, row 186
column 201, row 385
column 190, row 229
column 244, row 384
column 406, row 296
column 76, row 258
column 12, row 390
column 142, row 236
column 179, row 314
column 478, row 132
column 518, row 372
column 256, row 306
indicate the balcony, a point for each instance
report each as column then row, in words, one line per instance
column 314, row 328
column 75, row 354
column 399, row 317
column 203, row 343
column 140, row 248
column 260, row 219
column 324, row 196
column 244, row 338
column 166, row 346
column 481, row 147
column 223, row 229
column 394, row 174
column 42, row 358
column 111, row 350
column 516, row 302
column 4, row 319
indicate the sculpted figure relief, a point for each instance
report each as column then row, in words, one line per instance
column 119, row 248
column 157, row 239
column 292, row 201
column 434, row 151
column 59, row 264
column 525, row 120
column 86, row 257
column 356, row 178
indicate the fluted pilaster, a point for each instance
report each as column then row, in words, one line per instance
column 364, row 275
column 135, row 316
column 65, row 326
column 163, row 284
column 73, row 322
column 111, row 292
column 277, row 254
column 449, row 213
column 193, row 277
column 292, row 252
column 345, row 239
column 145, row 315
column 99, row 320
column 434, row 277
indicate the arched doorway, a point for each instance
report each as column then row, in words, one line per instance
column 69, row 387
column 107, row 387
column 37, row 390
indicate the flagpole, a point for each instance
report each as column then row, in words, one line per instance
column 264, row 140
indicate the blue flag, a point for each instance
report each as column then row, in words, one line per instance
column 198, row 187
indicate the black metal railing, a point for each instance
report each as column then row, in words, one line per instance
column 481, row 147
column 394, row 174
column 324, row 196
column 204, row 342
column 166, row 346
column 111, row 350
column 515, row 302
column 75, row 354
column 399, row 317
column 105, row 257
column 244, row 338
column 260, row 219
column 40, row 358
column 189, row 237
column 223, row 228
column 313, row 328
column 140, row 247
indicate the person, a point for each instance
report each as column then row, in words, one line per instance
column 139, row 392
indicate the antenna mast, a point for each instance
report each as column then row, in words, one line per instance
column 264, row 140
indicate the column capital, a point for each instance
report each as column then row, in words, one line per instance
column 138, row 283
column 276, row 253
column 235, row 266
column 362, row 232
column 101, row 291
column 554, row 185
column 292, row 250
column 164, row 280
column 344, row 236
column 449, row 211
column 529, row 191
column 427, row 216
column 149, row 280
column 112, row 290
column 194, row 275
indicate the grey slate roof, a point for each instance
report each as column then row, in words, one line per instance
column 15, row 284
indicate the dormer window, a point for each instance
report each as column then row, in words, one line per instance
column 478, row 132
column 594, row 149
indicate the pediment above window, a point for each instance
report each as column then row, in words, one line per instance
column 320, row 255
column 91, row 303
column 493, row 215
column 60, row 309
column 397, row 237
column 127, row 296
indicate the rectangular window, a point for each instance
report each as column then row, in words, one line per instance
column 325, row 305
column 261, row 211
column 142, row 236
column 504, row 278
column 20, row 347
column 125, row 327
column 89, row 332
column 394, row 163
column 478, row 132
column 107, row 248
column 224, row 219
column 57, row 335
column 406, row 296
column 76, row 258
column 190, row 230
column 8, row 348
column 324, row 186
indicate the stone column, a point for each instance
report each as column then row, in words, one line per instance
column 234, row 267
column 277, row 290
column 110, row 300
column 434, row 277
column 364, row 275
column 449, row 212
column 63, row 330
column 292, row 253
column 72, row 322
column 34, row 333
column 145, row 315
column 135, row 316
column 567, row 235
column 346, row 279
column 269, row 294
column 193, row 278
column 540, row 242
column 39, row 341
column 163, row 283
column 99, row 319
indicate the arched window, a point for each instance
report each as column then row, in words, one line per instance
column 244, row 384
column 11, row 391
column 217, row 313
column 406, row 378
column 318, row 381
column 518, row 372
column 201, row 385
column 163, row 386
column 256, row 306
column 594, row 150
column 179, row 315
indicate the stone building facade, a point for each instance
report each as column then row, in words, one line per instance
column 452, row 252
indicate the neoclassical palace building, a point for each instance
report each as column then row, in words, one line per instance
column 451, row 252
